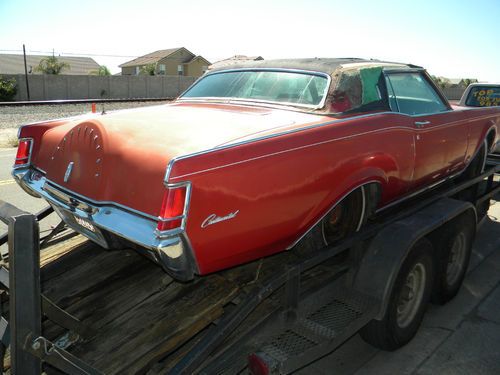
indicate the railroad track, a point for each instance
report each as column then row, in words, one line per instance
column 81, row 101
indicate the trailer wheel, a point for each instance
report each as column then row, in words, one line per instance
column 409, row 297
column 453, row 259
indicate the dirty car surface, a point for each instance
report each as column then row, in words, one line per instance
column 253, row 160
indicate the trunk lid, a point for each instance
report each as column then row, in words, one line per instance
column 121, row 157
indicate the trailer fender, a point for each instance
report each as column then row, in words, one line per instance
column 387, row 251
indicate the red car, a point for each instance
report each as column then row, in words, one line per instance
column 253, row 159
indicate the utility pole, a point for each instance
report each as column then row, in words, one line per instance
column 26, row 73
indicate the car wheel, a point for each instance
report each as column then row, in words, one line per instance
column 407, row 303
column 477, row 165
column 345, row 218
column 475, row 168
column 455, row 247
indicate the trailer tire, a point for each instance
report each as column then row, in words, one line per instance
column 409, row 298
column 453, row 255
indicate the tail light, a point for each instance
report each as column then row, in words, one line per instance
column 173, row 208
column 23, row 152
column 261, row 364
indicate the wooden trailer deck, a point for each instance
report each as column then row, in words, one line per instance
column 136, row 318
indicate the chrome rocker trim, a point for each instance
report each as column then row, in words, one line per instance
column 173, row 253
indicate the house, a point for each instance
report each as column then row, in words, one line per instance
column 173, row 61
column 234, row 60
column 14, row 64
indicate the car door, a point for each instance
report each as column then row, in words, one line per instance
column 440, row 132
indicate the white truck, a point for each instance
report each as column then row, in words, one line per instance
column 482, row 95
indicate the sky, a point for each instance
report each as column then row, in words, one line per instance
column 454, row 39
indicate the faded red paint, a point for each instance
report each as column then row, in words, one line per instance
column 279, row 185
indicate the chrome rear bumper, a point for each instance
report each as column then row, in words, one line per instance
column 173, row 253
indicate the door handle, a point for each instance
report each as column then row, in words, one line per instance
column 421, row 124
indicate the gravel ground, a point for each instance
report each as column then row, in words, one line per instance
column 11, row 117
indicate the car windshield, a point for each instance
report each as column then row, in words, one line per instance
column 484, row 96
column 295, row 88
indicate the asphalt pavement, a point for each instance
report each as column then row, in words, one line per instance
column 461, row 337
column 13, row 194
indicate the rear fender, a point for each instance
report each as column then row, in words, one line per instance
column 372, row 179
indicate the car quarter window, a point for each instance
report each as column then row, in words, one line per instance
column 413, row 95
column 360, row 89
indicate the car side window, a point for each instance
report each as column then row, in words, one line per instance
column 413, row 95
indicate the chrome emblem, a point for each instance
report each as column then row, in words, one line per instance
column 214, row 219
column 67, row 175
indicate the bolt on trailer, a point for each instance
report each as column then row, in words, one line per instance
column 81, row 310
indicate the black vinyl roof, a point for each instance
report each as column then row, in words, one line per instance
column 324, row 65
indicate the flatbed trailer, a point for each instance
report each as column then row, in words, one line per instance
column 78, row 309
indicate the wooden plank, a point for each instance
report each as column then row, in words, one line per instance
column 87, row 269
column 140, row 337
column 139, row 314
column 54, row 252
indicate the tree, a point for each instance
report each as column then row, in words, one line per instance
column 467, row 81
column 8, row 89
column 149, row 69
column 102, row 71
column 441, row 82
column 51, row 65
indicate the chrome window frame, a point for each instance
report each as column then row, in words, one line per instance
column 320, row 105
column 423, row 73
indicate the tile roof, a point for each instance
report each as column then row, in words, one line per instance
column 150, row 58
column 196, row 58
column 14, row 64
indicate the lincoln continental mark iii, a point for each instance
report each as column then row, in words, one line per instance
column 254, row 159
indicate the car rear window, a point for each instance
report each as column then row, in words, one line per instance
column 268, row 86
column 483, row 96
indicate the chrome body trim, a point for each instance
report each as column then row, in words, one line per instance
column 135, row 228
column 321, row 104
column 363, row 209
column 69, row 169
column 103, row 203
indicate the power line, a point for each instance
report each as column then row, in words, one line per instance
column 67, row 53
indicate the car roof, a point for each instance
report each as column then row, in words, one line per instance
column 323, row 65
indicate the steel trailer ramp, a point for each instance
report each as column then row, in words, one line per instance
column 291, row 339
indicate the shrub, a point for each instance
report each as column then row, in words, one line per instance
column 51, row 65
column 8, row 89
